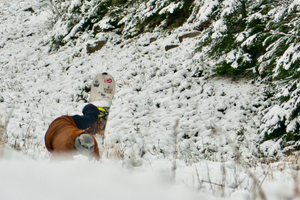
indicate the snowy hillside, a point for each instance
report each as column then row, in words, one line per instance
column 174, row 127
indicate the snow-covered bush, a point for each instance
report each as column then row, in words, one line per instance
column 127, row 18
column 263, row 38
column 281, row 122
column 250, row 36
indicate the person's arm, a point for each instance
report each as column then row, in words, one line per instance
column 90, row 116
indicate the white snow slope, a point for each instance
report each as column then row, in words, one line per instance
column 145, row 155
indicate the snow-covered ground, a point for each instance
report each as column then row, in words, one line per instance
column 145, row 154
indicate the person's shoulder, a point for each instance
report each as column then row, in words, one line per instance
column 66, row 117
column 61, row 117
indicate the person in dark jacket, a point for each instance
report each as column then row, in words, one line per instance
column 66, row 136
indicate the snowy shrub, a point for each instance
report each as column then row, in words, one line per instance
column 282, row 122
column 260, row 37
column 225, row 36
column 2, row 131
column 128, row 18
column 77, row 17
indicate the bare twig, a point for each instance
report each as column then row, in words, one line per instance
column 221, row 185
column 209, row 181
column 3, row 131
column 175, row 149
column 55, row 8
column 257, row 186
column 8, row 118
column 1, row 138
column 198, row 178
column 264, row 178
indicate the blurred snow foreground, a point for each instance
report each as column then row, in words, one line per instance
column 24, row 178
column 174, row 132
column 27, row 179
